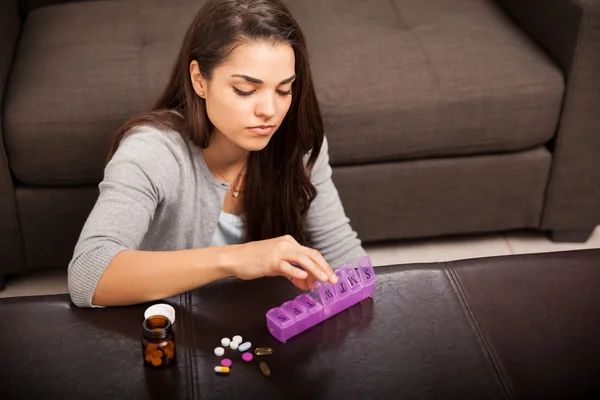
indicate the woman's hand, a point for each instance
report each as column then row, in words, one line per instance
column 274, row 257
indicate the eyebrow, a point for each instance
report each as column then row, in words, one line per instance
column 259, row 82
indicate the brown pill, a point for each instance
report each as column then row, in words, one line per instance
column 151, row 347
column 149, row 357
column 264, row 368
column 157, row 353
column 156, row 362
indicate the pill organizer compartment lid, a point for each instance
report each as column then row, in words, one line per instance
column 161, row 309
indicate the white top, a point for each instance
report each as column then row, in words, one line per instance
column 229, row 230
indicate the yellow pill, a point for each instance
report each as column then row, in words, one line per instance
column 222, row 370
column 265, row 369
column 263, row 351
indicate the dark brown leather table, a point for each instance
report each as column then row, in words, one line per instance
column 494, row 328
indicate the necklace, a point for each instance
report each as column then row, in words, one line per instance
column 235, row 192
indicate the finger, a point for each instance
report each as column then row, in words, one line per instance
column 291, row 272
column 306, row 262
column 312, row 283
column 290, row 239
column 305, row 284
column 301, row 284
column 320, row 261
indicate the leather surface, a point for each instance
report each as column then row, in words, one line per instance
column 540, row 318
column 505, row 327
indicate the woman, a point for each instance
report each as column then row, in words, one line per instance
column 227, row 175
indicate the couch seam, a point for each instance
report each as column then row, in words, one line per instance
column 418, row 42
column 549, row 198
column 484, row 345
column 188, row 340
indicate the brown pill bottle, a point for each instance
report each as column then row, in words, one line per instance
column 158, row 341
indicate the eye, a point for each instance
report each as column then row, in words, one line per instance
column 241, row 93
column 283, row 93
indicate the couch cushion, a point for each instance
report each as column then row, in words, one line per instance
column 81, row 70
column 406, row 79
column 396, row 80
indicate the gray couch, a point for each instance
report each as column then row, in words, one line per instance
column 443, row 116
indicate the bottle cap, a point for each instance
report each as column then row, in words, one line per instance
column 161, row 309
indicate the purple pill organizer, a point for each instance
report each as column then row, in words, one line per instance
column 307, row 310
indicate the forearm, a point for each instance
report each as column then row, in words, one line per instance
column 134, row 276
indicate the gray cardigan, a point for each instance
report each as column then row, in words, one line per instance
column 158, row 194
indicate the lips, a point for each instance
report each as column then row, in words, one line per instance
column 262, row 130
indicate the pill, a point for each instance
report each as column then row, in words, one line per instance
column 233, row 345
column 222, row 370
column 245, row 346
column 238, row 339
column 264, row 368
column 156, row 362
column 226, row 362
column 263, row 351
column 225, row 342
column 219, row 351
column 247, row 357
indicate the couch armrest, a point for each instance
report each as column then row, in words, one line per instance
column 11, row 250
column 570, row 31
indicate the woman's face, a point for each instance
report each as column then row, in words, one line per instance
column 249, row 95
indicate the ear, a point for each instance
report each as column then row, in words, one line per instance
column 198, row 81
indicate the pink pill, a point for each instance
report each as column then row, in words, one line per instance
column 226, row 362
column 247, row 357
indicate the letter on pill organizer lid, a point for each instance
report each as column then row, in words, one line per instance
column 367, row 276
column 309, row 301
column 326, row 293
column 342, row 287
column 280, row 317
column 366, row 271
column 295, row 309
column 352, row 277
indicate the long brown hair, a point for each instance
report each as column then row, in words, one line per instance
column 277, row 186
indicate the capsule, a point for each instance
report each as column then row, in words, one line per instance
column 221, row 370
column 263, row 351
column 244, row 347
column 264, row 368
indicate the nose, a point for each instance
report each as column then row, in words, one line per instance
column 266, row 106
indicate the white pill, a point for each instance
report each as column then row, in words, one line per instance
column 225, row 342
column 233, row 345
column 238, row 339
column 219, row 351
column 245, row 346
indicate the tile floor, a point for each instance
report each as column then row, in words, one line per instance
column 402, row 252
